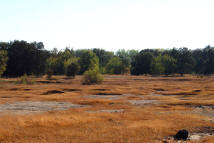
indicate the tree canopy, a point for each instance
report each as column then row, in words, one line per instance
column 20, row 57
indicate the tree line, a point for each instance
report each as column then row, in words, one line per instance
column 20, row 57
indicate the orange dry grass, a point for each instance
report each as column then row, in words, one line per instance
column 138, row 124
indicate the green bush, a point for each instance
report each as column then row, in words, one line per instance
column 92, row 75
column 25, row 80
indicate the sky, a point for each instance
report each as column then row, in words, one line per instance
column 109, row 24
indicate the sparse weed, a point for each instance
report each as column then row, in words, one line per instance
column 25, row 79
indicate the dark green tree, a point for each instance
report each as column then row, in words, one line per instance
column 85, row 60
column 169, row 64
column 71, row 67
column 185, row 61
column 200, row 60
column 208, row 59
column 3, row 61
column 26, row 58
column 142, row 63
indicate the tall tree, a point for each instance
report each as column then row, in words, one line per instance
column 132, row 54
column 142, row 63
column 169, row 64
column 104, row 57
column 3, row 61
column 208, row 56
column 185, row 61
column 115, row 66
column 71, row 67
column 157, row 66
column 85, row 60
column 200, row 60
column 124, row 56
column 26, row 58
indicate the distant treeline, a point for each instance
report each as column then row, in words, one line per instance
column 20, row 57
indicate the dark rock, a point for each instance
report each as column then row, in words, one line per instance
column 181, row 135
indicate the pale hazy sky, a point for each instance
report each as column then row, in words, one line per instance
column 109, row 24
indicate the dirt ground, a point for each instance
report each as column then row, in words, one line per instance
column 123, row 109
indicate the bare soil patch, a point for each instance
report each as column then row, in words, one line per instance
column 28, row 107
column 143, row 102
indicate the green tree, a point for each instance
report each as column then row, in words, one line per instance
column 157, row 66
column 104, row 57
column 115, row 66
column 201, row 61
column 3, row 61
column 142, row 63
column 85, row 60
column 61, row 57
column 132, row 54
column 71, row 67
column 185, row 61
column 125, row 59
column 208, row 57
column 169, row 64
column 51, row 66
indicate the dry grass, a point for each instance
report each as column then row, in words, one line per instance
column 137, row 124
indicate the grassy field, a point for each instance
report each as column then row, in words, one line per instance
column 124, row 109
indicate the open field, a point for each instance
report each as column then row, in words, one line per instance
column 124, row 109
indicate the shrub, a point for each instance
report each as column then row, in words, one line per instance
column 25, row 80
column 92, row 75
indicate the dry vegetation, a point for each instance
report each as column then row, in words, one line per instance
column 148, row 123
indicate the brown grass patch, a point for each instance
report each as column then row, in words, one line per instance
column 138, row 124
